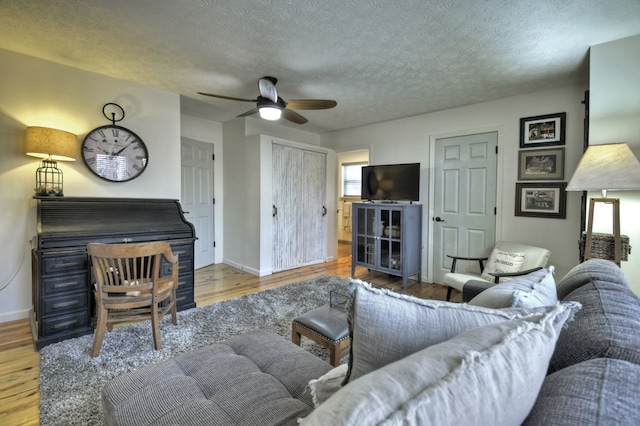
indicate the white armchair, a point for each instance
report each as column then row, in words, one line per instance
column 506, row 260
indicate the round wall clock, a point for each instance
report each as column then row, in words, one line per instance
column 113, row 152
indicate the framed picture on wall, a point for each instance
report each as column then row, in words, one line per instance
column 547, row 200
column 541, row 164
column 542, row 130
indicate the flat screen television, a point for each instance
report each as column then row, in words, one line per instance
column 391, row 182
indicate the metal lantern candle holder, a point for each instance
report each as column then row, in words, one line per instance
column 49, row 179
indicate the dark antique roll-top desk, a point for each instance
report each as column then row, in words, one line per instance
column 63, row 302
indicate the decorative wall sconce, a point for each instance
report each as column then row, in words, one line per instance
column 608, row 167
column 51, row 145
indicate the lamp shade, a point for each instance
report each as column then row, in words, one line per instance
column 611, row 167
column 43, row 142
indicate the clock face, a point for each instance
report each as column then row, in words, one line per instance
column 115, row 153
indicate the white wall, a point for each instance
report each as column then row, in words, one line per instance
column 247, row 191
column 41, row 93
column 211, row 132
column 615, row 117
column 407, row 140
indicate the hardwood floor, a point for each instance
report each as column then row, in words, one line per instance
column 20, row 364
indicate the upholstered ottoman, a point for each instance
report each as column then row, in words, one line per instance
column 327, row 326
column 257, row 378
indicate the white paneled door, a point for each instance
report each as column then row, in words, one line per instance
column 299, row 225
column 464, row 221
column 197, row 196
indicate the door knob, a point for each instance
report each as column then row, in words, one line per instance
column 439, row 219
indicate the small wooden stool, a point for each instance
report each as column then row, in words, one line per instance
column 327, row 326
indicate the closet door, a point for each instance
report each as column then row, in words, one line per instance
column 298, row 207
column 313, row 208
column 287, row 187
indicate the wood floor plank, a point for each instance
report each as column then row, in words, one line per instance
column 20, row 364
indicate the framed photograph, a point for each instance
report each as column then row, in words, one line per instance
column 542, row 130
column 541, row 200
column 541, row 164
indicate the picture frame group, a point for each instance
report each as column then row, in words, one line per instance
column 541, row 159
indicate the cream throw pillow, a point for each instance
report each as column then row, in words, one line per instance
column 328, row 384
column 504, row 262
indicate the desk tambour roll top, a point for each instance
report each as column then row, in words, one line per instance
column 62, row 296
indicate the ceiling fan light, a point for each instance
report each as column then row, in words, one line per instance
column 270, row 113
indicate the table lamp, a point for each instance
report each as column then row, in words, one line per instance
column 607, row 167
column 51, row 145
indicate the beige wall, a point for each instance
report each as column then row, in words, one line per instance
column 615, row 117
column 408, row 140
column 41, row 93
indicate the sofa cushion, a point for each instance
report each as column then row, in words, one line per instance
column 608, row 324
column 386, row 326
column 597, row 392
column 579, row 275
column 502, row 261
column 254, row 378
column 535, row 289
column 489, row 375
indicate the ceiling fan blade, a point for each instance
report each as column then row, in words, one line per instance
column 311, row 104
column 293, row 116
column 250, row 112
column 231, row 98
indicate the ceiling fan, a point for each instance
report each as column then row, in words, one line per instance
column 271, row 107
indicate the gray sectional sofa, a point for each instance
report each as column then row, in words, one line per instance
column 534, row 361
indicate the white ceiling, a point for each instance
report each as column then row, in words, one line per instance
column 380, row 60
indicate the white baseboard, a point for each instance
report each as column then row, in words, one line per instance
column 245, row 268
column 14, row 316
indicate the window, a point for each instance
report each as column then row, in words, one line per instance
column 352, row 179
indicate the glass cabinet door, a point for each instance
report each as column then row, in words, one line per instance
column 366, row 236
column 390, row 247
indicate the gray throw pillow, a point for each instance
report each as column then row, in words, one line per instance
column 487, row 376
column 535, row 289
column 386, row 326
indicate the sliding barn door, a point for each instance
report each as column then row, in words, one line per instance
column 298, row 207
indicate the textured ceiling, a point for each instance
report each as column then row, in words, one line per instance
column 380, row 60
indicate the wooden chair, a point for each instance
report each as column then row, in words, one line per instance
column 129, row 286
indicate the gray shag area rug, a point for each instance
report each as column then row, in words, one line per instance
column 71, row 381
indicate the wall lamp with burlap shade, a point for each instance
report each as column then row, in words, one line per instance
column 52, row 145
